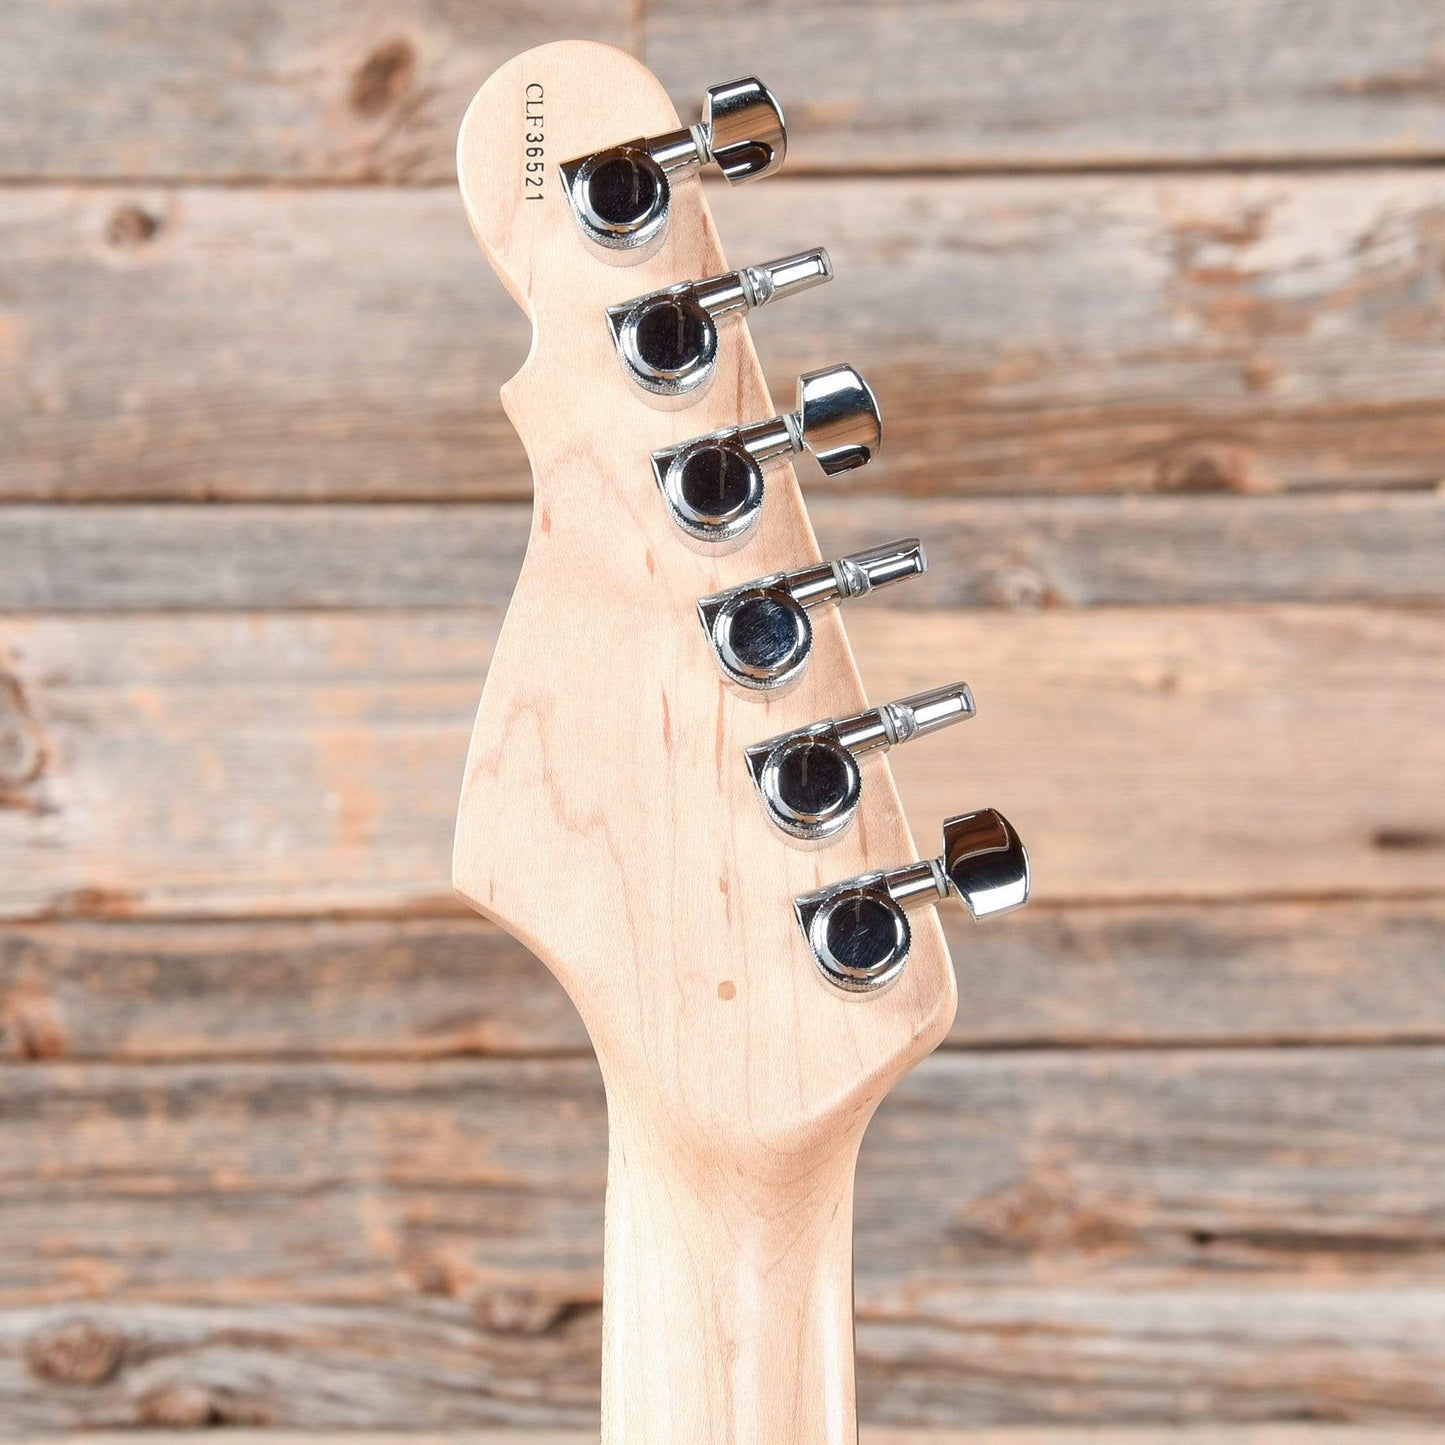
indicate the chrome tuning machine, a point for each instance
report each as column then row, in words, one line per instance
column 760, row 632
column 810, row 780
column 713, row 485
column 621, row 196
column 858, row 929
column 668, row 340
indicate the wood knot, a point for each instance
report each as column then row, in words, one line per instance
column 78, row 1352
column 21, row 755
column 435, row 1274
column 179, row 1407
column 521, row 1312
column 132, row 226
column 29, row 1025
column 383, row 78
column 1018, row 586
column 1215, row 469
column 188, row 1405
column 1038, row 1215
column 93, row 902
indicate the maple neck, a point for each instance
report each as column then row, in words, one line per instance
column 727, row 1299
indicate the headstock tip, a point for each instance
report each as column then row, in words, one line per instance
column 540, row 108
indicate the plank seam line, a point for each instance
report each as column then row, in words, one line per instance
column 1360, row 493
column 1357, row 493
column 1403, row 1040
column 246, row 1062
column 1121, row 167
column 1425, row 605
column 1425, row 484
column 435, row 912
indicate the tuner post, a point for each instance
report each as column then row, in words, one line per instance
column 760, row 632
column 858, row 929
column 668, row 340
column 622, row 196
column 713, row 485
column 810, row 781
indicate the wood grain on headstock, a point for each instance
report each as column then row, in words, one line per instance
column 607, row 820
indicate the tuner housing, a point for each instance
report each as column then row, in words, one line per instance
column 667, row 340
column 983, row 863
column 622, row 195
column 627, row 227
column 810, row 780
column 713, row 485
column 866, row 953
column 760, row 632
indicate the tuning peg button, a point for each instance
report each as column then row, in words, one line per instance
column 713, row 485
column 621, row 196
column 743, row 130
column 810, row 780
column 668, row 340
column 985, row 863
column 760, row 632
column 858, row 929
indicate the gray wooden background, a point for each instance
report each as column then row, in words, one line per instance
column 1153, row 293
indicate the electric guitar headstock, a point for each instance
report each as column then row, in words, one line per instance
column 677, row 794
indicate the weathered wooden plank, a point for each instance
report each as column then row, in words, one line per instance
column 1095, row 1237
column 1138, row 1357
column 871, row 1435
column 477, row 1179
column 940, row 83
column 1075, row 552
column 297, row 763
column 432, row 1365
column 1354, row 971
column 1169, row 1359
column 234, row 343
column 255, row 556
column 1148, row 333
column 307, row 91
column 301, row 91
column 1217, row 974
column 413, row 988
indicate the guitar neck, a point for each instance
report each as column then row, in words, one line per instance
column 727, row 1299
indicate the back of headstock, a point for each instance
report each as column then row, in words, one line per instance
column 612, row 816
